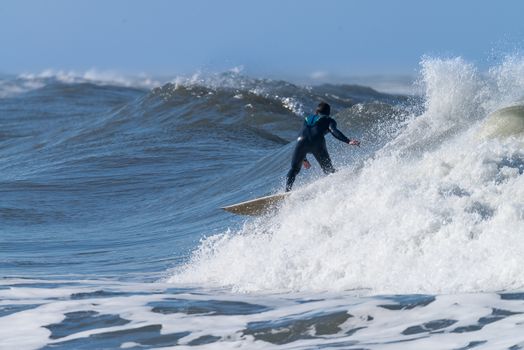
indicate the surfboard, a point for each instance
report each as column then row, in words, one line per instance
column 257, row 206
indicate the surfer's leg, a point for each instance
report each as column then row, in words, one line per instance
column 296, row 163
column 322, row 156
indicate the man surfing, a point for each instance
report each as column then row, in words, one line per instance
column 311, row 140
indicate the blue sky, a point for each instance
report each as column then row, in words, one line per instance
column 266, row 37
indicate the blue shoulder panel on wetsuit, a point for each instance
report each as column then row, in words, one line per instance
column 312, row 120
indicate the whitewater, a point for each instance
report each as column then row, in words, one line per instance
column 435, row 210
column 112, row 235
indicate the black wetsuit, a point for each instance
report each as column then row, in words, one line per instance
column 311, row 140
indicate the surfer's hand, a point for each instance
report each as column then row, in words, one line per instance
column 354, row 143
column 307, row 164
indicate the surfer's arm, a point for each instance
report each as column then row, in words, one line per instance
column 306, row 163
column 337, row 133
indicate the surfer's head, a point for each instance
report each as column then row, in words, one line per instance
column 323, row 109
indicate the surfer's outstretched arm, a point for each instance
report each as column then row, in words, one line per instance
column 339, row 135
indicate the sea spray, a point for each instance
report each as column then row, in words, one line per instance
column 434, row 211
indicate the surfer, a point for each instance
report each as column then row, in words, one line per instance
column 311, row 140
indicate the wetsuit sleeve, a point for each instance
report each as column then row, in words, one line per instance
column 337, row 133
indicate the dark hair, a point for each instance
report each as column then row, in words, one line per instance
column 323, row 108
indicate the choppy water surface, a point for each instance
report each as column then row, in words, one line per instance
column 111, row 234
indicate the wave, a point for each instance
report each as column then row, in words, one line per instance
column 434, row 210
column 94, row 107
column 11, row 86
column 88, row 154
column 92, row 76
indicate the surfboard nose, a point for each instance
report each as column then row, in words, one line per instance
column 257, row 206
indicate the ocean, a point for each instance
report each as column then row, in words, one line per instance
column 112, row 236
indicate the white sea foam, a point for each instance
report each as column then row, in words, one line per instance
column 435, row 211
column 10, row 87
column 277, row 321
